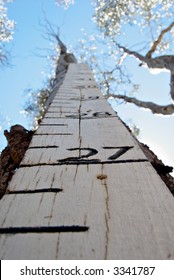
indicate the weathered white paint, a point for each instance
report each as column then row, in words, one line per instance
column 122, row 204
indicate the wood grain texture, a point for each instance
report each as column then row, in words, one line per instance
column 84, row 189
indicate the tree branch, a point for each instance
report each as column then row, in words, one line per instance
column 158, row 41
column 153, row 107
column 55, row 35
column 160, row 62
column 172, row 85
column 135, row 54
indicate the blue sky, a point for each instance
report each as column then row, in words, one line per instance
column 27, row 67
column 27, row 71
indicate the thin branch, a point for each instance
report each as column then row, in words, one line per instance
column 158, row 41
column 4, row 58
column 55, row 35
column 135, row 54
column 155, row 109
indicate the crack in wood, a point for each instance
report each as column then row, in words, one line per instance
column 53, row 179
column 107, row 214
column 7, row 212
column 79, row 111
column 79, row 131
column 43, row 229
column 52, row 208
column 57, row 247
column 40, row 203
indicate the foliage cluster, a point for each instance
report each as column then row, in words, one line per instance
column 6, row 31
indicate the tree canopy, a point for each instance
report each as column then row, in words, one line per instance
column 113, row 15
column 64, row 3
column 6, row 31
column 150, row 21
column 107, row 51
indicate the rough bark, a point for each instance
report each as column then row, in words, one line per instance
column 18, row 139
column 162, row 169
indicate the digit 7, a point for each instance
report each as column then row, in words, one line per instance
column 120, row 152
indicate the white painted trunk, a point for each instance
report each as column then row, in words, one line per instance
column 84, row 189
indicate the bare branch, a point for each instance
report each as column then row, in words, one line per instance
column 158, row 41
column 160, row 62
column 4, row 58
column 155, row 109
column 55, row 35
column 135, row 54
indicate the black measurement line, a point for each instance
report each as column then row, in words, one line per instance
column 83, row 162
column 53, row 124
column 43, row 147
column 54, row 190
column 40, row 134
column 43, row 229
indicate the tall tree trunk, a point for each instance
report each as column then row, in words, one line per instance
column 85, row 189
